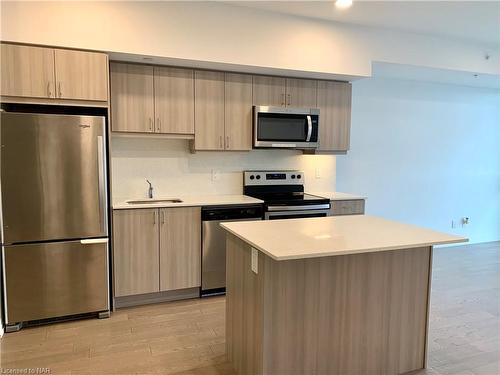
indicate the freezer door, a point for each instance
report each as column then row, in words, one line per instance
column 53, row 177
column 55, row 279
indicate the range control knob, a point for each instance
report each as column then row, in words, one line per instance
column 258, row 177
column 252, row 177
column 299, row 176
column 292, row 176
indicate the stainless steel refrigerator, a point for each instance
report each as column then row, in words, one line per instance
column 54, row 216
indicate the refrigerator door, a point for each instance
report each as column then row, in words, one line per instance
column 53, row 177
column 55, row 279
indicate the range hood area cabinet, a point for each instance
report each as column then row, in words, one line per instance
column 156, row 250
column 55, row 75
column 284, row 92
column 223, row 111
column 152, row 99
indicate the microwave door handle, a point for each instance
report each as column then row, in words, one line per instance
column 309, row 128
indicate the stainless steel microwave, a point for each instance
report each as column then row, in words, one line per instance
column 281, row 127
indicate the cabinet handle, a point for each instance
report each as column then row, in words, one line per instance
column 227, row 141
column 220, row 141
column 150, row 124
column 49, row 94
column 289, row 99
column 283, row 100
column 154, row 218
column 59, row 87
column 159, row 125
column 162, row 217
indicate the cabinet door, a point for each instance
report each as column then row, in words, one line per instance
column 81, row 75
column 180, row 248
column 238, row 111
column 136, row 251
column 350, row 207
column 269, row 90
column 27, row 71
column 334, row 102
column 132, row 104
column 174, row 100
column 209, row 110
column 301, row 93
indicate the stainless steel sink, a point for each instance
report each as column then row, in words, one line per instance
column 152, row 201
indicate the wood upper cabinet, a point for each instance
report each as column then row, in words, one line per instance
column 174, row 100
column 81, row 75
column 238, row 111
column 180, row 248
column 209, row 110
column 132, row 103
column 136, row 251
column 39, row 72
column 284, row 92
column 301, row 93
column 334, row 102
column 268, row 90
column 27, row 71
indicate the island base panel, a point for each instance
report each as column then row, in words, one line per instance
column 350, row 314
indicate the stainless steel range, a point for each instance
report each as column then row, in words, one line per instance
column 283, row 195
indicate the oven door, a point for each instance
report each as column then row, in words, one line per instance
column 276, row 127
column 275, row 215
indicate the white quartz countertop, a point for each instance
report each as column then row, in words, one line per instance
column 334, row 235
column 191, row 200
column 337, row 196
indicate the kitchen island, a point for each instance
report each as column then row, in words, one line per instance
column 333, row 295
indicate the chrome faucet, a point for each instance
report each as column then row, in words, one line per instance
column 150, row 190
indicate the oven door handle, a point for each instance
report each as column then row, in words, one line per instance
column 299, row 208
column 312, row 213
column 309, row 128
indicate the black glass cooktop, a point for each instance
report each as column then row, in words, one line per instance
column 289, row 199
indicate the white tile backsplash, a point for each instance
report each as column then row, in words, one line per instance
column 172, row 169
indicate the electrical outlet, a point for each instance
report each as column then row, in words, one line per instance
column 465, row 221
column 255, row 260
column 215, row 175
column 318, row 173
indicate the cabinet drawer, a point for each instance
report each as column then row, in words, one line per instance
column 350, row 207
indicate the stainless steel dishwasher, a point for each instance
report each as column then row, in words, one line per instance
column 213, row 249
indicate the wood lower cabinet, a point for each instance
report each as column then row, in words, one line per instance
column 334, row 102
column 209, row 110
column 174, row 100
column 301, row 93
column 268, row 90
column 180, row 248
column 238, row 112
column 156, row 250
column 348, row 207
column 136, row 251
column 132, row 105
column 27, row 71
column 81, row 75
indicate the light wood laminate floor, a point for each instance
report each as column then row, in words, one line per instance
column 187, row 337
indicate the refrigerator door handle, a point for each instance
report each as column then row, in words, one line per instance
column 102, row 187
column 91, row 241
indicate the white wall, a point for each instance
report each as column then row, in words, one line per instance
column 174, row 170
column 210, row 31
column 425, row 154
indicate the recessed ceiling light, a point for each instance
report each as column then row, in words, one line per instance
column 343, row 3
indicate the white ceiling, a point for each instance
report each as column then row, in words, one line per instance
column 477, row 21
